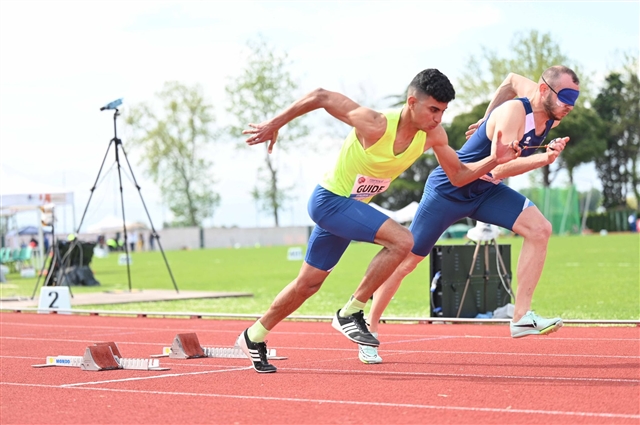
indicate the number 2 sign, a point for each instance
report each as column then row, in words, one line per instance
column 54, row 298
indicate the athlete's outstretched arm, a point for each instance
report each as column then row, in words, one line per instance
column 514, row 85
column 460, row 173
column 523, row 165
column 369, row 124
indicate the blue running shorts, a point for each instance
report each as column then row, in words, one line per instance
column 499, row 205
column 339, row 220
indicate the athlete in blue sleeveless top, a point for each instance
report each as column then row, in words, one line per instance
column 479, row 146
column 487, row 199
column 378, row 149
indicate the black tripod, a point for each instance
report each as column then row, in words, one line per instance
column 57, row 266
column 118, row 145
column 487, row 239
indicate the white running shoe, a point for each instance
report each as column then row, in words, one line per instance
column 532, row 324
column 368, row 354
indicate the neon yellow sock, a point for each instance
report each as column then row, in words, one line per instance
column 257, row 332
column 352, row 306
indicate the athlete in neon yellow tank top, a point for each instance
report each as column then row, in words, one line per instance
column 363, row 173
column 380, row 147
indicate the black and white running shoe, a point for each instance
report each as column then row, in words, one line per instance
column 355, row 328
column 257, row 353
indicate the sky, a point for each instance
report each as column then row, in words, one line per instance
column 60, row 61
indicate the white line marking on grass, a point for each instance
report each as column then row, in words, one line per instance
column 352, row 403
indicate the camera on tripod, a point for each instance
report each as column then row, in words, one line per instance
column 66, row 255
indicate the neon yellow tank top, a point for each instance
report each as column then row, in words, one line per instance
column 361, row 174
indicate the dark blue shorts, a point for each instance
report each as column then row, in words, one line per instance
column 339, row 220
column 499, row 205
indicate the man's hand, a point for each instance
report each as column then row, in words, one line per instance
column 505, row 153
column 472, row 128
column 261, row 133
column 555, row 147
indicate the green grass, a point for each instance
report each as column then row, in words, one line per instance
column 585, row 277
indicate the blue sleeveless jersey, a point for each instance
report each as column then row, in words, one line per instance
column 479, row 147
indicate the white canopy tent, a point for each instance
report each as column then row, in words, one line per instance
column 19, row 194
column 112, row 224
column 403, row 215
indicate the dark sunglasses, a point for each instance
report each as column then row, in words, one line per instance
column 566, row 96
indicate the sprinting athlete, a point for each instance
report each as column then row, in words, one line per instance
column 377, row 150
column 489, row 200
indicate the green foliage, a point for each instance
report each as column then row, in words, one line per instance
column 591, row 198
column 461, row 122
column 532, row 53
column 585, row 277
column 614, row 220
column 587, row 138
column 264, row 88
column 171, row 142
column 618, row 106
column 632, row 123
column 560, row 206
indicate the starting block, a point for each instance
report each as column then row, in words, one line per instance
column 102, row 356
column 187, row 346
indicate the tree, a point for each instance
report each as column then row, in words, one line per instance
column 590, row 200
column 631, row 122
column 618, row 106
column 172, row 141
column 264, row 88
column 532, row 54
column 460, row 124
column 587, row 133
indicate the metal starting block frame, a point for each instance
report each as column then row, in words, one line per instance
column 187, row 346
column 102, row 356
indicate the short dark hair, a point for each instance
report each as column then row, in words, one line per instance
column 553, row 74
column 435, row 84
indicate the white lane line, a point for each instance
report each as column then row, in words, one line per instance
column 415, row 338
column 399, row 351
column 361, row 372
column 464, row 375
column 297, row 333
column 495, row 353
column 353, row 402
column 145, row 378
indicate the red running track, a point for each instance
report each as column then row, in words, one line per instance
column 445, row 374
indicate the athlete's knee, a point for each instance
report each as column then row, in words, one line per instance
column 544, row 229
column 309, row 280
column 408, row 265
column 395, row 238
column 308, row 287
column 539, row 229
column 404, row 241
